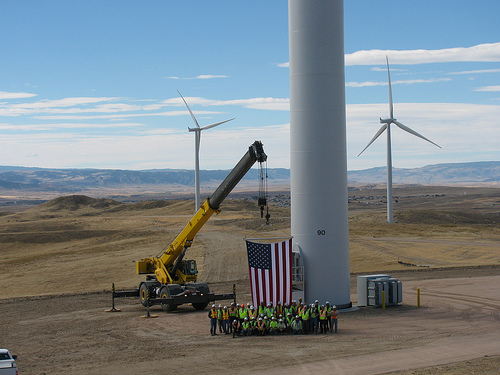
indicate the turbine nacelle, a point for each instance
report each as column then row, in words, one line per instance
column 387, row 120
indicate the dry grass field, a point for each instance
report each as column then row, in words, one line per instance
column 78, row 246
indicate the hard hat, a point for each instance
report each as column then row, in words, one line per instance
column 251, row 307
column 279, row 302
column 245, row 319
column 225, row 307
column 253, row 317
column 289, row 314
column 281, row 320
column 296, row 317
column 260, row 318
column 213, row 305
column 232, row 303
column 322, row 305
column 316, row 301
column 273, row 318
column 265, row 317
column 220, row 305
column 335, row 307
column 327, row 303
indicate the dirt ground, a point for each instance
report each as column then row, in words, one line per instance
column 58, row 261
column 72, row 334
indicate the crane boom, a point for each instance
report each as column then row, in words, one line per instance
column 169, row 268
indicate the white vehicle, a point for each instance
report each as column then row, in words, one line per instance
column 8, row 364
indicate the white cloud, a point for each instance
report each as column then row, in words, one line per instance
column 488, row 88
column 15, row 95
column 50, row 106
column 488, row 52
column 407, row 82
column 210, row 76
column 277, row 104
column 467, row 132
column 378, row 69
column 80, row 125
column 201, row 76
column 283, row 65
column 482, row 71
column 482, row 52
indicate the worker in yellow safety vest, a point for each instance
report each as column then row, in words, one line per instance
column 261, row 327
column 252, row 313
column 233, row 314
column 242, row 313
column 328, row 314
column 305, row 320
column 279, row 309
column 212, row 314
column 225, row 320
column 273, row 326
column 323, row 321
column 262, row 309
column 270, row 310
column 246, row 329
column 219, row 318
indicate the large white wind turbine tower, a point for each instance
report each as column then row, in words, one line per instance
column 387, row 126
column 197, row 137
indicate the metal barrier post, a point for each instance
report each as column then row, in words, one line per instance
column 383, row 300
column 113, row 300
column 418, row 297
column 148, row 315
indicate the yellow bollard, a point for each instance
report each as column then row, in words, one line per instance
column 418, row 297
column 383, row 300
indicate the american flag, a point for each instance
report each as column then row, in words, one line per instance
column 270, row 267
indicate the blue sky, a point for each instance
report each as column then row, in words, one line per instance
column 93, row 84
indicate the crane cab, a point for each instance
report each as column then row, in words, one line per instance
column 188, row 268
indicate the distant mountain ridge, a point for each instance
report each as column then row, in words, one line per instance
column 70, row 180
column 448, row 173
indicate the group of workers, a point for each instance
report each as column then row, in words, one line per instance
column 295, row 318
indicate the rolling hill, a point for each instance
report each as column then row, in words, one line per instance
column 74, row 180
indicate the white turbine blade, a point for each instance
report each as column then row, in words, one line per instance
column 391, row 107
column 216, row 124
column 189, row 109
column 411, row 131
column 380, row 131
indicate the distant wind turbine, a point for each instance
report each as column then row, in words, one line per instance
column 197, row 137
column 387, row 126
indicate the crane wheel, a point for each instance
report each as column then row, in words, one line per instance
column 165, row 293
column 200, row 305
column 144, row 294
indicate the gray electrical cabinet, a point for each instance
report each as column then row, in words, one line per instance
column 371, row 288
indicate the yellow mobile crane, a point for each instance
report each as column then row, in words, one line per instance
column 171, row 279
